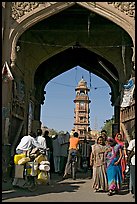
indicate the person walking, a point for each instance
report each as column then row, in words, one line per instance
column 73, row 147
column 131, row 161
column 56, row 153
column 113, row 166
column 98, row 164
column 119, row 139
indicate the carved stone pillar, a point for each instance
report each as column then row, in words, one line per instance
column 13, row 57
column 117, row 114
column 6, row 30
column 37, row 112
column 35, row 125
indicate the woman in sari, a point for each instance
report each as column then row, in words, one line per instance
column 98, row 164
column 123, row 162
column 113, row 167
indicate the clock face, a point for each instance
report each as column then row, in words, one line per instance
column 82, row 104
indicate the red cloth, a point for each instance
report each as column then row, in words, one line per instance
column 123, row 166
column 118, row 141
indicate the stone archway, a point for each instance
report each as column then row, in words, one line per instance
column 30, row 16
column 122, row 13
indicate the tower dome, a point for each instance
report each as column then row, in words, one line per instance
column 82, row 82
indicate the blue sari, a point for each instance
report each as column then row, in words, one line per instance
column 114, row 172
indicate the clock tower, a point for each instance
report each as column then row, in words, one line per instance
column 81, row 111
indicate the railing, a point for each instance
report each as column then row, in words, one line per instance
column 128, row 113
column 127, row 124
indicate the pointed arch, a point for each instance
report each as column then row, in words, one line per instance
column 42, row 12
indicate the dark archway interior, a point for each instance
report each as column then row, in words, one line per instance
column 78, row 27
column 70, row 58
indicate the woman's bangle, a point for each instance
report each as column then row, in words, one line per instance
column 126, row 156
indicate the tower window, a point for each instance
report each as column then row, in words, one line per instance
column 82, row 93
column 81, row 119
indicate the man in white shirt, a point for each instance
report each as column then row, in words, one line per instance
column 27, row 143
column 131, row 149
column 41, row 140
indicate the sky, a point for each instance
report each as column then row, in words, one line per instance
column 57, row 112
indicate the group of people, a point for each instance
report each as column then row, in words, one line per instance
column 109, row 158
column 60, row 145
column 25, row 146
column 32, row 140
column 56, row 147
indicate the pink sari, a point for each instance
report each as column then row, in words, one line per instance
column 123, row 160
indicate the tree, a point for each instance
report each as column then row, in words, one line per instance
column 108, row 126
column 55, row 132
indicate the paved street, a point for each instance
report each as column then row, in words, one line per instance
column 79, row 190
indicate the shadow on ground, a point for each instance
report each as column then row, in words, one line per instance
column 57, row 185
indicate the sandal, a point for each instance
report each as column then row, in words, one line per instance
column 96, row 190
column 65, row 176
column 110, row 193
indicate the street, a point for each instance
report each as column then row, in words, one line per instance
column 79, row 190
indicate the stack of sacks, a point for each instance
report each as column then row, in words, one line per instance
column 40, row 158
column 44, row 166
column 24, row 160
column 32, row 168
column 17, row 157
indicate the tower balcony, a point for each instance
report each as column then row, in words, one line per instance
column 82, row 123
column 83, row 98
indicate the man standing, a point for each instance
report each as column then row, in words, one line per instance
column 131, row 157
column 56, row 153
column 64, row 146
column 85, row 154
column 41, row 140
column 50, row 149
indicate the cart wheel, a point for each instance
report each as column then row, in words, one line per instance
column 33, row 185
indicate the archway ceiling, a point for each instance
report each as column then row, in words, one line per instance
column 71, row 26
column 70, row 58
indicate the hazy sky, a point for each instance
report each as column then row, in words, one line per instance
column 58, row 109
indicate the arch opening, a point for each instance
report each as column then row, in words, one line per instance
column 57, row 112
